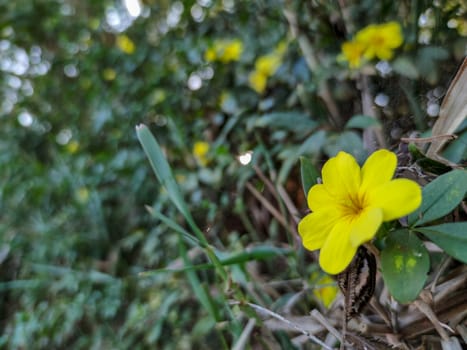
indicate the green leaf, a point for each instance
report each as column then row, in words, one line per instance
column 404, row 264
column 164, row 174
column 189, row 238
column 258, row 253
column 261, row 252
column 428, row 64
column 309, row 174
column 161, row 167
column 312, row 145
column 456, row 151
column 452, row 237
column 361, row 121
column 200, row 290
column 406, row 67
column 440, row 197
column 348, row 141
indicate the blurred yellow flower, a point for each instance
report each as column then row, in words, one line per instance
column 380, row 40
column 109, row 74
column 325, row 288
column 281, row 47
column 82, row 195
column 125, row 44
column 258, row 81
column 72, row 147
column 232, row 51
column 224, row 51
column 200, row 151
column 375, row 40
column 268, row 64
column 351, row 204
column 265, row 67
column 352, row 52
column 210, row 54
column 94, row 23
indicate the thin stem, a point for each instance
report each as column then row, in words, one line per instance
column 274, row 212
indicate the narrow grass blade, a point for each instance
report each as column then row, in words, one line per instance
column 164, row 174
column 161, row 167
column 189, row 238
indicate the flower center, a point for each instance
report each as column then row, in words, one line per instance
column 378, row 41
column 353, row 205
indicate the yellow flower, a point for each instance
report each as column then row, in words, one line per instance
column 380, row 40
column 125, row 44
column 258, row 81
column 224, row 51
column 72, row 147
column 200, row 151
column 268, row 64
column 109, row 74
column 231, row 51
column 82, row 195
column 210, row 55
column 325, row 289
column 350, row 205
column 352, row 52
column 281, row 47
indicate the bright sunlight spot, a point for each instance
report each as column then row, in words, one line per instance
column 245, row 158
column 133, row 7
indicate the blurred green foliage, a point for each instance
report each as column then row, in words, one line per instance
column 78, row 76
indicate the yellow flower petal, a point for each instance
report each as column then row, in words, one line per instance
column 258, row 81
column 268, row 64
column 125, row 44
column 378, row 169
column 337, row 252
column 231, row 51
column 200, row 151
column 383, row 53
column 393, row 34
column 397, row 198
column 366, row 226
column 380, row 40
column 210, row 55
column 325, row 289
column 319, row 198
column 315, row 227
column 352, row 51
column 341, row 175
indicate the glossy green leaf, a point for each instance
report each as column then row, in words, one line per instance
column 361, row 121
column 309, row 174
column 452, row 237
column 440, row 197
column 404, row 264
